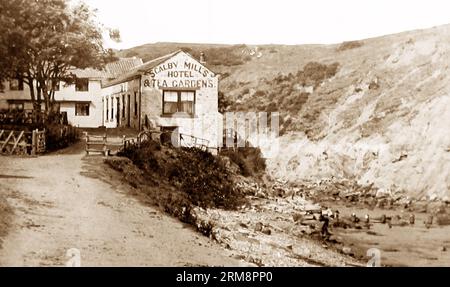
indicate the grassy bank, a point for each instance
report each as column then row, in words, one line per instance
column 179, row 180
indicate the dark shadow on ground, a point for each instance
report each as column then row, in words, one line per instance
column 15, row 176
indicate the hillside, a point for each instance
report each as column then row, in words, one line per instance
column 376, row 110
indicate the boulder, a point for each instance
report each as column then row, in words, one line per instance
column 347, row 250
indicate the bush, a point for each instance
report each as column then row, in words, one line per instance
column 59, row 136
column 249, row 160
column 224, row 102
column 199, row 175
column 205, row 179
column 317, row 72
column 349, row 45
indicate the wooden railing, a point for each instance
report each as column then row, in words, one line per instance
column 192, row 141
column 100, row 144
column 184, row 140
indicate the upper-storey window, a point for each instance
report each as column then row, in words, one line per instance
column 82, row 84
column 16, row 85
column 178, row 102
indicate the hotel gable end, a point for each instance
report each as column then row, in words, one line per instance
column 173, row 91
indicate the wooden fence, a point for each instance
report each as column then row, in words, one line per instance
column 14, row 142
column 22, row 117
column 100, row 144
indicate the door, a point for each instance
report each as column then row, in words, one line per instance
column 128, row 111
column 118, row 112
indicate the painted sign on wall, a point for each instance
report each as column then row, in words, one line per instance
column 183, row 73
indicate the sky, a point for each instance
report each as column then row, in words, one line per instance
column 264, row 21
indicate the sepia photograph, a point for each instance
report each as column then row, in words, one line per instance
column 208, row 133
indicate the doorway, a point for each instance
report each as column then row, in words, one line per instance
column 128, row 111
column 118, row 113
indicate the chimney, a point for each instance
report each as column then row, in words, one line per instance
column 202, row 58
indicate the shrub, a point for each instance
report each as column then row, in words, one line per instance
column 226, row 56
column 59, row 136
column 259, row 93
column 199, row 175
column 249, row 160
column 317, row 72
column 205, row 179
column 348, row 45
column 224, row 102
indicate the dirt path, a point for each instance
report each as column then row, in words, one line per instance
column 59, row 204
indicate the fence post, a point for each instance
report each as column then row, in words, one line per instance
column 44, row 137
column 87, row 143
column 33, row 142
column 105, row 152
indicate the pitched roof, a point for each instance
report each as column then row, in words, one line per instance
column 112, row 70
column 89, row 73
column 123, row 65
column 140, row 69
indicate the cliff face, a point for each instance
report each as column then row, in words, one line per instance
column 376, row 110
column 384, row 118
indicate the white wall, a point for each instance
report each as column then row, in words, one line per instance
column 67, row 96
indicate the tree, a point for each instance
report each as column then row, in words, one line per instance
column 43, row 41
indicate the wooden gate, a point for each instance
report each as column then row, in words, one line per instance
column 38, row 142
column 13, row 142
column 22, row 143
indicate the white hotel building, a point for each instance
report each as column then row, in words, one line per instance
column 172, row 91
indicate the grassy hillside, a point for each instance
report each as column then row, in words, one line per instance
column 375, row 111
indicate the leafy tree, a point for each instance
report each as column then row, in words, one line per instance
column 224, row 103
column 43, row 41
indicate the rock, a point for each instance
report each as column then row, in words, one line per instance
column 347, row 250
column 266, row 231
column 412, row 219
column 383, row 219
column 313, row 208
column 335, row 239
column 436, row 207
column 259, row 227
column 444, row 249
column 429, row 221
column 297, row 217
column 420, row 206
column 443, row 219
column 381, row 202
column 309, row 222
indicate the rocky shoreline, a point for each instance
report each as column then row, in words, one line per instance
column 283, row 225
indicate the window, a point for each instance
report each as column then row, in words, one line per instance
column 16, row 85
column 123, row 106
column 107, row 108
column 112, row 109
column 82, row 85
column 135, row 104
column 178, row 102
column 82, row 109
column 16, row 107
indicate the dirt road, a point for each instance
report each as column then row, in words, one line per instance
column 61, row 202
